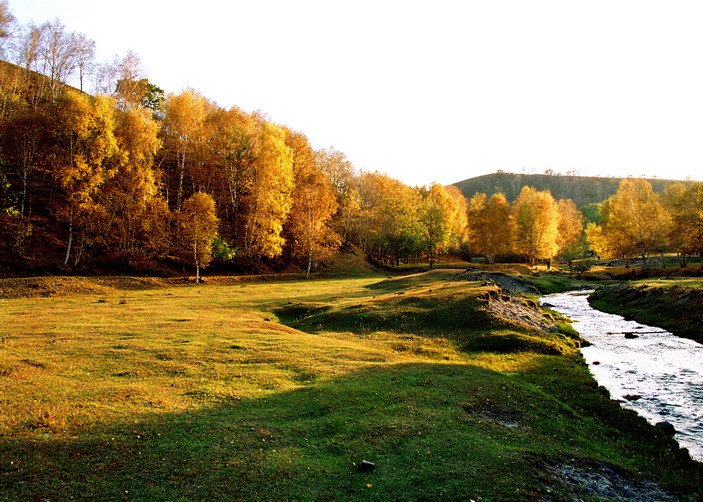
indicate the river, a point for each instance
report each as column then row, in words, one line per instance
column 648, row 369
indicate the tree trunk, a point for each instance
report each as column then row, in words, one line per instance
column 197, row 264
column 181, row 175
column 70, row 238
column 80, row 251
column 307, row 274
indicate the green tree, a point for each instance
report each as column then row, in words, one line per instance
column 435, row 218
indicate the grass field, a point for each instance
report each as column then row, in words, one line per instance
column 146, row 390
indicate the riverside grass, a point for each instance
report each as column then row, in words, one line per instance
column 279, row 390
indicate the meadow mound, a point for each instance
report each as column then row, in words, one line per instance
column 31, row 287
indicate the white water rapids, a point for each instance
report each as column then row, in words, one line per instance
column 665, row 371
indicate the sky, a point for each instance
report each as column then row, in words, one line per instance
column 433, row 91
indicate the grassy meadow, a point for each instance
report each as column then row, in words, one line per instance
column 135, row 389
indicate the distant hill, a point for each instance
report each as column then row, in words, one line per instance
column 581, row 189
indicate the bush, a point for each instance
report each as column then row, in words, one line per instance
column 582, row 267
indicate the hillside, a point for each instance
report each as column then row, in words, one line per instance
column 581, row 189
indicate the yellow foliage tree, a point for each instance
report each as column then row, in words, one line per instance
column 570, row 237
column 199, row 225
column 340, row 172
column 634, row 223
column 85, row 129
column 536, row 221
column 314, row 204
column 491, row 226
column 458, row 218
column 183, row 125
column 436, row 213
column 231, row 138
column 269, row 200
column 137, row 211
column 684, row 204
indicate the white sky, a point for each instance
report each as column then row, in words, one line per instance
column 434, row 91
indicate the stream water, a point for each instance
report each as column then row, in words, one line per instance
column 651, row 371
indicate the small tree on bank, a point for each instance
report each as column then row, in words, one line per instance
column 198, row 230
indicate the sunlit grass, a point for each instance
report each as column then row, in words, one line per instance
column 277, row 390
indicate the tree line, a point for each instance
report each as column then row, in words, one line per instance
column 134, row 174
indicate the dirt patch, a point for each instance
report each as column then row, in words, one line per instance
column 511, row 284
column 603, row 481
column 511, row 305
column 497, row 413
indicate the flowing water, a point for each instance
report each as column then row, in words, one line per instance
column 651, row 371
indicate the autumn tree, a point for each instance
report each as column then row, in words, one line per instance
column 387, row 225
column 634, row 223
column 435, row 219
column 570, row 236
column 536, row 222
column 490, row 226
column 269, row 200
column 314, row 204
column 231, row 137
column 684, row 203
column 183, row 123
column 25, row 142
column 401, row 233
column 458, row 208
column 339, row 170
column 84, row 54
column 138, row 214
column 85, row 128
column 199, row 225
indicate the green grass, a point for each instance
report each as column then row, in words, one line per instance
column 278, row 390
column 672, row 304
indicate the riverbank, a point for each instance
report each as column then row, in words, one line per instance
column 281, row 390
column 645, row 368
column 672, row 304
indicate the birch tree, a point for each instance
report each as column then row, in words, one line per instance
column 269, row 200
column 537, row 223
column 185, row 114
column 491, row 226
column 314, row 204
column 85, row 128
column 634, row 223
column 199, row 225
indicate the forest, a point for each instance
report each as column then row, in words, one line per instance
column 134, row 178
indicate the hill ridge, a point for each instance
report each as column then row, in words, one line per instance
column 582, row 190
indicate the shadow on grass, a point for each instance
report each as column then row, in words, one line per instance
column 432, row 430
